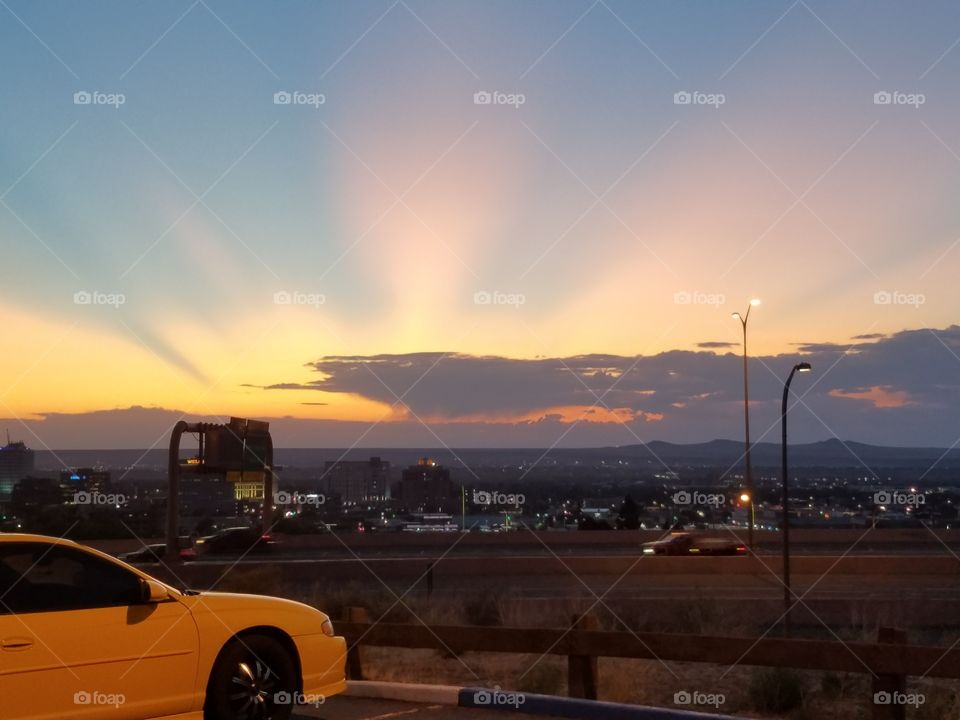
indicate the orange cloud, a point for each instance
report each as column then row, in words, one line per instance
column 881, row 396
column 561, row 413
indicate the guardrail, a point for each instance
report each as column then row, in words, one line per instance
column 890, row 660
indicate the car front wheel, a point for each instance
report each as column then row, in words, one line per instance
column 254, row 679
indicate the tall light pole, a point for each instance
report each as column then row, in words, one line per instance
column 748, row 475
column 787, row 599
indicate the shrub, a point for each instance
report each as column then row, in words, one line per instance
column 776, row 690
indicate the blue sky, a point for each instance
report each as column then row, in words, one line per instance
column 599, row 200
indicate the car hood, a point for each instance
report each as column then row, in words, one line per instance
column 242, row 610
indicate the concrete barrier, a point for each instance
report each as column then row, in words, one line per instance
column 405, row 692
column 534, row 704
column 516, row 702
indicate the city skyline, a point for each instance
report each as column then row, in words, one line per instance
column 216, row 210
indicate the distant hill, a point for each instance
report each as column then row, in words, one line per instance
column 715, row 453
column 826, row 453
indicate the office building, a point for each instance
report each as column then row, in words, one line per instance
column 426, row 487
column 357, row 481
column 16, row 463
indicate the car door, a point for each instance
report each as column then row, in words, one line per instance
column 77, row 641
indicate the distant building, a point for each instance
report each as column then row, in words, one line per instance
column 33, row 493
column 426, row 487
column 208, row 495
column 84, row 480
column 248, row 486
column 78, row 486
column 16, row 463
column 357, row 481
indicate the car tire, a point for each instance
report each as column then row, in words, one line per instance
column 255, row 678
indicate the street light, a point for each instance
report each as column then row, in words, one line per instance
column 748, row 475
column 787, row 600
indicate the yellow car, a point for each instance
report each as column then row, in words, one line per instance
column 84, row 636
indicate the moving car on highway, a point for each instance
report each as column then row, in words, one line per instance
column 87, row 637
column 147, row 554
column 681, row 543
column 233, row 541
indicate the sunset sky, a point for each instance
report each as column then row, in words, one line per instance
column 389, row 248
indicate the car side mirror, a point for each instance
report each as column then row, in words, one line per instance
column 153, row 592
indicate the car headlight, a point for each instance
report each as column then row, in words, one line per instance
column 327, row 628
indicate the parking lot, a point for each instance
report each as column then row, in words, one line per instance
column 353, row 708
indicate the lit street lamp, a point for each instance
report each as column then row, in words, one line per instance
column 787, row 600
column 748, row 475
